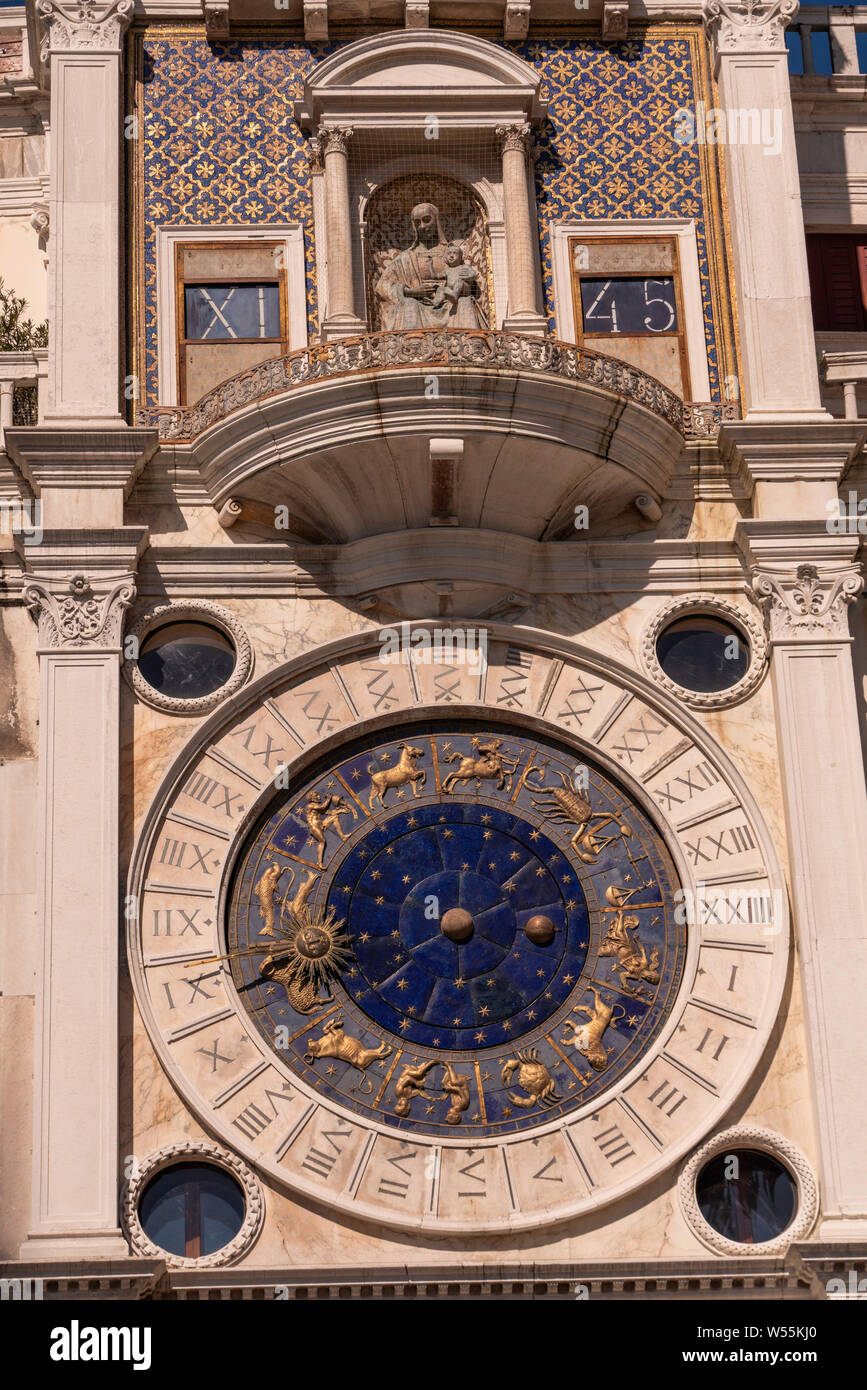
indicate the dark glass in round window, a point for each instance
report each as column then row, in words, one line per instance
column 186, row 660
column 702, row 653
column 747, row 1196
column 192, row 1209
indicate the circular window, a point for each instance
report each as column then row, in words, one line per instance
column 747, row 1196
column 192, row 1209
column 748, row 1187
column 186, row 660
column 706, row 652
column 187, row 657
column 703, row 653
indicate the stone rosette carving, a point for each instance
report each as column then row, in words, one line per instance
column 808, row 604
column 715, row 607
column 80, row 613
column 747, row 26
column 187, row 1151
column 84, row 25
column 201, row 611
column 765, row 1141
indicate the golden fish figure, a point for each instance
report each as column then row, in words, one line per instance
column 266, row 892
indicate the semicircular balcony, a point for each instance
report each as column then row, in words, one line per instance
column 343, row 433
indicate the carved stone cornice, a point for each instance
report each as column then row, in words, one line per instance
column 335, row 139
column 82, row 613
column 83, row 25
column 518, row 137
column 808, row 603
column 748, row 26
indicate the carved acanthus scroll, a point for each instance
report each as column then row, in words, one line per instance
column 808, row 603
column 80, row 614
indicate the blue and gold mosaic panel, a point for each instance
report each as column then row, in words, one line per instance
column 217, row 143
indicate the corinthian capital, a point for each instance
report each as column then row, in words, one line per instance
column 334, row 139
column 809, row 604
column 83, row 24
column 80, row 613
column 515, row 137
column 748, row 26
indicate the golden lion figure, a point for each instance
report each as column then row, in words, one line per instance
column 588, row 1039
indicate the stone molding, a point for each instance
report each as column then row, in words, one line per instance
column 85, row 25
column 766, row 1141
column 716, row 607
column 748, row 26
column 482, row 84
column 82, row 613
column 214, row 615
column 808, row 603
column 185, row 1151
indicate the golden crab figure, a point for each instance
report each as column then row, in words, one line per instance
column 533, row 1076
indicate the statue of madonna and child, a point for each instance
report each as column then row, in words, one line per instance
column 430, row 285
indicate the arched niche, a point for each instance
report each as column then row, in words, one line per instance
column 388, row 229
column 434, row 104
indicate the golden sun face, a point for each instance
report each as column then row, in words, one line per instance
column 314, row 946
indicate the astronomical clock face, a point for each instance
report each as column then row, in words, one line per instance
column 457, row 926
column 456, row 948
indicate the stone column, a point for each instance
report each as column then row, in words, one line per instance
column 83, row 47
column 78, row 583
column 524, row 315
column 7, row 399
column 78, row 590
column 770, row 260
column 341, row 320
column 805, row 580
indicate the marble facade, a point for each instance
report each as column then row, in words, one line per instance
column 435, row 480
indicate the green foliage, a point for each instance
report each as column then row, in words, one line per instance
column 17, row 333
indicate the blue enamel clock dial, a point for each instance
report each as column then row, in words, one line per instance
column 457, row 926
